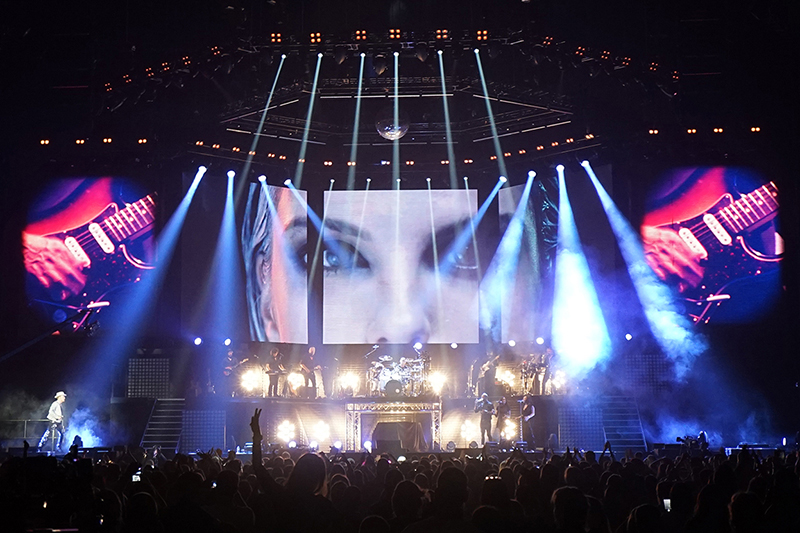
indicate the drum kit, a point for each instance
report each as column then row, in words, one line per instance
column 404, row 378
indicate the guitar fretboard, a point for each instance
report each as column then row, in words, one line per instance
column 132, row 219
column 750, row 209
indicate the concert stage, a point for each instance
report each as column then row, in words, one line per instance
column 397, row 425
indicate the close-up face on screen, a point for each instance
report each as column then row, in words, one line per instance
column 87, row 240
column 274, row 241
column 712, row 232
column 399, row 267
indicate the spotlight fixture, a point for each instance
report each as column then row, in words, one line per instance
column 512, row 343
column 227, row 342
column 691, row 130
column 361, row 35
column 503, row 179
column 44, row 141
column 231, row 174
column 363, row 55
column 369, row 180
column 417, row 345
column 428, row 180
column 585, row 163
column 319, row 54
column 531, row 174
column 539, row 341
column 755, row 129
column 198, row 341
column 652, row 132
column 262, row 178
column 397, row 54
column 628, row 336
column 560, row 168
column 717, row 130
column 454, row 345
column 332, row 180
column 368, row 445
column 287, row 182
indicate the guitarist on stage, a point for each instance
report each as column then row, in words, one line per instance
column 309, row 369
column 275, row 370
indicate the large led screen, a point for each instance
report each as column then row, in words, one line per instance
column 274, row 245
column 713, row 234
column 400, row 267
column 86, row 241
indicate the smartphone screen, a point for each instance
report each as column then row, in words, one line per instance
column 667, row 504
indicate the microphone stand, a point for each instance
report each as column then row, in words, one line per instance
column 372, row 351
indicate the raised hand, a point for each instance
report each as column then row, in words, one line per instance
column 254, row 424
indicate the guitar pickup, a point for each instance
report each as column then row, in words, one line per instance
column 691, row 241
column 716, row 228
column 102, row 239
column 76, row 250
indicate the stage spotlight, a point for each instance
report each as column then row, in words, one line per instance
column 468, row 430
column 319, row 54
column 349, row 382
column 337, row 445
column 231, row 174
column 476, row 51
column 363, row 54
column 292, row 444
column 428, row 180
column 531, row 174
column 368, row 445
column 398, row 180
column 321, row 431
column 465, row 178
column 401, row 459
column 285, row 432
column 512, row 343
column 539, row 341
column 503, row 179
column 437, row 381
column 201, row 169
column 440, row 52
column 250, row 380
column 628, row 336
column 454, row 345
column 313, row 445
column 369, row 180
column 287, row 182
column 397, row 54
column 296, row 380
column 198, row 341
column 226, row 342
column 584, row 163
column 332, row 180
column 417, row 345
column 560, row 168
column 262, row 178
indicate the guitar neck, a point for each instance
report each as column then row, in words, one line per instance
column 751, row 209
column 134, row 218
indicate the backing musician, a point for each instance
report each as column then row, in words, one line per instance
column 486, row 409
column 308, row 368
column 275, row 370
column 501, row 411
column 56, row 417
column 488, row 375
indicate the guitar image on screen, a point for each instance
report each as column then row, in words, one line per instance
column 99, row 250
column 724, row 237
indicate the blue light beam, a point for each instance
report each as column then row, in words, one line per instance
column 671, row 329
column 298, row 171
column 579, row 330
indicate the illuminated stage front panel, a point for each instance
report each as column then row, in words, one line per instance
column 391, row 270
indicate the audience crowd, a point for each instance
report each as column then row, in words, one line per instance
column 141, row 491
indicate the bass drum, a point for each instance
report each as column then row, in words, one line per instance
column 393, row 389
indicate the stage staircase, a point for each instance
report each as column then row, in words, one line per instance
column 165, row 425
column 622, row 425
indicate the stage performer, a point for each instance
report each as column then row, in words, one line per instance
column 56, row 417
column 486, row 409
column 501, row 411
column 309, row 369
column 275, row 370
column 528, row 411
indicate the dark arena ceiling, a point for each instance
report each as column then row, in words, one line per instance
column 585, row 77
